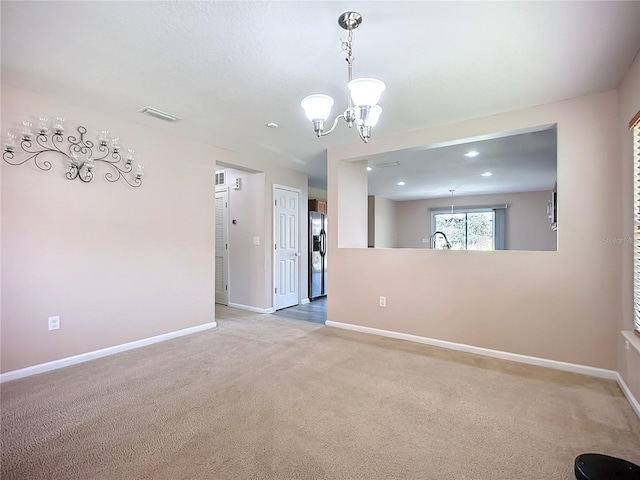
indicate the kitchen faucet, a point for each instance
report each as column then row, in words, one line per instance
column 433, row 240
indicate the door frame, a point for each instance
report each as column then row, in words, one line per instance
column 273, row 240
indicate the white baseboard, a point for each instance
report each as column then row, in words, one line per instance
column 514, row 357
column 85, row 357
column 627, row 393
column 259, row 310
column 251, row 309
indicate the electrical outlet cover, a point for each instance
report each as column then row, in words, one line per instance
column 54, row 322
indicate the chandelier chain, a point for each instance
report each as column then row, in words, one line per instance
column 347, row 47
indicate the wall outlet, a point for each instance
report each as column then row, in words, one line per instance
column 54, row 322
column 425, row 240
column 383, row 301
column 256, row 240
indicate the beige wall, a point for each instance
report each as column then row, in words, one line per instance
column 527, row 224
column 385, row 225
column 628, row 361
column 556, row 305
column 352, row 223
column 117, row 264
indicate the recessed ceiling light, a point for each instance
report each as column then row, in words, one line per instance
column 486, row 174
column 369, row 169
column 400, row 183
column 472, row 153
column 272, row 125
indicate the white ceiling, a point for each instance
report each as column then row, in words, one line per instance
column 518, row 162
column 228, row 68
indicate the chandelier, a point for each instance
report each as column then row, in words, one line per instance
column 362, row 100
column 452, row 218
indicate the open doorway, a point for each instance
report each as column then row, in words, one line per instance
column 240, row 243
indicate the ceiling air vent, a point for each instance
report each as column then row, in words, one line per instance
column 390, row 164
column 154, row 112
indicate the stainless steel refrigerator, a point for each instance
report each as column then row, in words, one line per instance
column 317, row 255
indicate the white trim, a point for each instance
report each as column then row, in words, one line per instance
column 632, row 339
column 85, row 357
column 287, row 187
column 514, row 357
column 627, row 393
column 250, row 309
column 305, row 301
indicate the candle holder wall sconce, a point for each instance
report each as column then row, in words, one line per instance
column 80, row 154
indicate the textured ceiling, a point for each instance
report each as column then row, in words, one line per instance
column 228, row 68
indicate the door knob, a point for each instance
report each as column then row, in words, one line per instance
column 297, row 254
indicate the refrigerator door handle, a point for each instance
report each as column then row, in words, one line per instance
column 323, row 243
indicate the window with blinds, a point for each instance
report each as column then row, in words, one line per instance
column 635, row 124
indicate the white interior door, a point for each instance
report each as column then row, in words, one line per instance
column 222, row 247
column 287, row 247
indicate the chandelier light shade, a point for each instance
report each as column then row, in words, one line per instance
column 317, row 106
column 362, row 98
column 365, row 92
column 372, row 119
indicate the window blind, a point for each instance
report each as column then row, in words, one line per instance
column 499, row 228
column 636, row 224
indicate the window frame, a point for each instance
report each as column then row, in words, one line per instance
column 634, row 125
column 473, row 209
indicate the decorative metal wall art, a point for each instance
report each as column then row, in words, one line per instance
column 81, row 154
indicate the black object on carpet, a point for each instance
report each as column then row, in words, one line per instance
column 595, row 466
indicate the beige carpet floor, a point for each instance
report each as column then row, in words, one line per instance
column 262, row 397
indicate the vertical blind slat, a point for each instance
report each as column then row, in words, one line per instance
column 636, row 221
